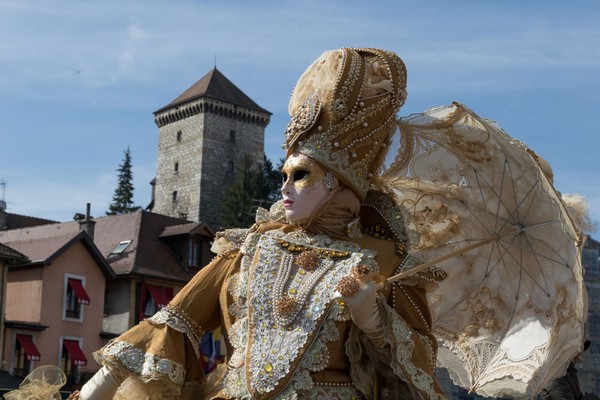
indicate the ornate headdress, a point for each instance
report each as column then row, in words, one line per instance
column 343, row 112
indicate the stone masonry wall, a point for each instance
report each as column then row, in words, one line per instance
column 221, row 157
column 197, row 156
column 185, row 150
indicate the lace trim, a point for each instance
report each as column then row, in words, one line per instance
column 429, row 347
column 228, row 239
column 147, row 366
column 177, row 319
column 323, row 392
column 391, row 213
column 319, row 242
column 402, row 352
column 275, row 214
column 134, row 389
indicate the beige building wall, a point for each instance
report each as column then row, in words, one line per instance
column 37, row 295
column 24, row 294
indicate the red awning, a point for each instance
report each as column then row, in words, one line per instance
column 30, row 350
column 80, row 293
column 74, row 350
column 159, row 296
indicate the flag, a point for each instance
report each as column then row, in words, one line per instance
column 210, row 350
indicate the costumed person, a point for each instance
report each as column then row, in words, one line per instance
column 299, row 296
column 566, row 387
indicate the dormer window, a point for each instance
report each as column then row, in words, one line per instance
column 194, row 246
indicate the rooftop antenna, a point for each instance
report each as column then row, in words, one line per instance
column 215, row 60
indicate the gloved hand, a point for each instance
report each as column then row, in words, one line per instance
column 102, row 386
column 360, row 296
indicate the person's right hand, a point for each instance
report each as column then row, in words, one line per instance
column 74, row 395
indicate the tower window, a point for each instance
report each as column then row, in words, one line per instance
column 176, row 169
column 230, row 166
column 179, row 136
column 231, row 136
column 174, row 196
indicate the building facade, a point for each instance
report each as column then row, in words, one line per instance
column 202, row 136
column 53, row 303
column 88, row 281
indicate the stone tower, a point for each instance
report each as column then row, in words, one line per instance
column 202, row 135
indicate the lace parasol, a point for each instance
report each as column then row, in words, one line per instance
column 481, row 206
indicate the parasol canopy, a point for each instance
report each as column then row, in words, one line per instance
column 481, row 206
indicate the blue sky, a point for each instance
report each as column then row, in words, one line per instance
column 79, row 80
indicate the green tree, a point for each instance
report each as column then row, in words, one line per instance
column 252, row 187
column 270, row 182
column 122, row 202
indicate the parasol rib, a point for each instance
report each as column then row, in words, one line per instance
column 465, row 249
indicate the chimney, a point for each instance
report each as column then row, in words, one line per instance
column 87, row 224
column 3, row 216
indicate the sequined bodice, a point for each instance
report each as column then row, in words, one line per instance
column 286, row 312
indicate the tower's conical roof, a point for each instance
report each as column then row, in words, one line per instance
column 216, row 86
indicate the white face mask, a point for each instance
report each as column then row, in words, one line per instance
column 303, row 187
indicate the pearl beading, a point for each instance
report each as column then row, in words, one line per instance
column 274, row 347
column 414, row 306
column 334, row 384
column 410, row 300
column 302, row 293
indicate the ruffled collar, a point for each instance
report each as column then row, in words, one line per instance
column 336, row 216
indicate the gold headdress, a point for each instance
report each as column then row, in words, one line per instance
column 343, row 112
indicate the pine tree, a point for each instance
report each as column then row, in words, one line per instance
column 122, row 202
column 270, row 183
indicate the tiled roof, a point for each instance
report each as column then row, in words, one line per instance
column 40, row 250
column 216, row 86
column 11, row 255
column 176, row 230
column 16, row 221
column 146, row 255
column 45, row 249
